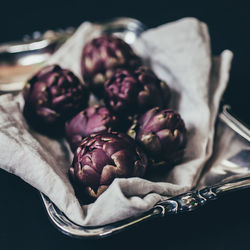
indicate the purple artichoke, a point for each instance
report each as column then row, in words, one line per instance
column 53, row 96
column 94, row 119
column 101, row 56
column 162, row 133
column 100, row 158
column 134, row 92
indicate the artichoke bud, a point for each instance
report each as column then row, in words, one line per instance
column 163, row 135
column 101, row 56
column 130, row 92
column 94, row 119
column 100, row 158
column 52, row 96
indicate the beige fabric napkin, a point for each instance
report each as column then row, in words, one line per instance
column 179, row 53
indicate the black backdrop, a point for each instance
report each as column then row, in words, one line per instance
column 221, row 225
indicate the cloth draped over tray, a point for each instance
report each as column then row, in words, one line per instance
column 179, row 53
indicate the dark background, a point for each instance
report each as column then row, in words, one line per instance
column 224, row 224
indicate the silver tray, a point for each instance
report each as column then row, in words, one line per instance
column 230, row 173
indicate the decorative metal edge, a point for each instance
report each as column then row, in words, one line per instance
column 69, row 228
column 195, row 199
column 41, row 41
column 234, row 123
column 38, row 42
column 176, row 205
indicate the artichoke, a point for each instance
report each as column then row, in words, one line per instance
column 163, row 135
column 53, row 96
column 100, row 158
column 133, row 92
column 94, row 119
column 101, row 56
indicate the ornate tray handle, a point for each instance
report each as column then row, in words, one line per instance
column 195, row 199
column 176, row 205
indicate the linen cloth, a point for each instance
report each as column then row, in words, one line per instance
column 180, row 54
